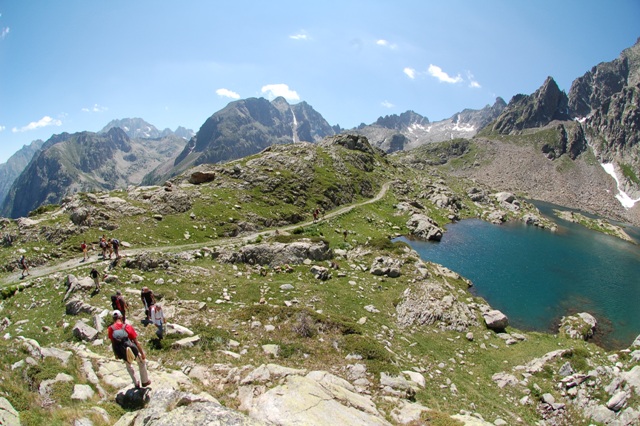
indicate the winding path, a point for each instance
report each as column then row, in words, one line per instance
column 75, row 263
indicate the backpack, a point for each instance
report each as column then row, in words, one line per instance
column 121, row 342
column 115, row 242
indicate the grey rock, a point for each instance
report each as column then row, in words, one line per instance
column 8, row 415
column 82, row 392
column 495, row 319
column 425, row 228
column 84, row 332
column 618, row 401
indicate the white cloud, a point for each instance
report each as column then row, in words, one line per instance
column 300, row 36
column 472, row 81
column 275, row 90
column 43, row 122
column 387, row 104
column 226, row 93
column 4, row 32
column 95, row 108
column 410, row 72
column 2, row 128
column 436, row 71
column 385, row 43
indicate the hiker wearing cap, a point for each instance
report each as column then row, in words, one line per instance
column 125, row 345
column 148, row 300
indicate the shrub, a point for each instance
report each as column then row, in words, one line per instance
column 304, row 325
column 367, row 348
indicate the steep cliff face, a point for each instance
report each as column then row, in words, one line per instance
column 85, row 161
column 10, row 170
column 546, row 104
column 608, row 96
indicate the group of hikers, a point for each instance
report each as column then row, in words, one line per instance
column 124, row 338
column 108, row 246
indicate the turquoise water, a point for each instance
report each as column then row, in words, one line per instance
column 536, row 276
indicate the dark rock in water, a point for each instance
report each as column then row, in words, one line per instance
column 134, row 398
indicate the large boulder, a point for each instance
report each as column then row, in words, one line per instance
column 495, row 320
column 199, row 177
column 85, row 332
column 424, row 228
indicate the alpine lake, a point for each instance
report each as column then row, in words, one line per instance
column 536, row 276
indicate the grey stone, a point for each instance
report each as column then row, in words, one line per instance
column 84, row 332
column 8, row 415
column 495, row 319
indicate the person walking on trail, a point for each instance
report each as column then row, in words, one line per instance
column 118, row 303
column 23, row 266
column 83, row 247
column 115, row 244
column 125, row 345
column 158, row 319
column 103, row 247
column 148, row 300
column 316, row 212
column 96, row 278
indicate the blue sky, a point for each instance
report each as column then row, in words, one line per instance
column 74, row 65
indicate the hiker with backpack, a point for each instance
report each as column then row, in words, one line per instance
column 23, row 266
column 125, row 345
column 115, row 243
column 118, row 303
column 103, row 247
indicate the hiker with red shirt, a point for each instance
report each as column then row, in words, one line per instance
column 83, row 247
column 132, row 350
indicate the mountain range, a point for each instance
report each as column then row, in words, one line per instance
column 598, row 119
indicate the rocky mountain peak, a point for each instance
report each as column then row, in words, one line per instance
column 401, row 121
column 597, row 85
column 546, row 104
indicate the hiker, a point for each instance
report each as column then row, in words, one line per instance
column 316, row 212
column 344, row 234
column 96, row 278
column 115, row 243
column 148, row 300
column 158, row 319
column 118, row 303
column 83, row 247
column 125, row 345
column 23, row 266
column 103, row 247
column 110, row 247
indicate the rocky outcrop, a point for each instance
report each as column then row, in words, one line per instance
column 579, row 326
column 432, row 302
column 424, row 228
column 308, row 399
column 278, row 254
